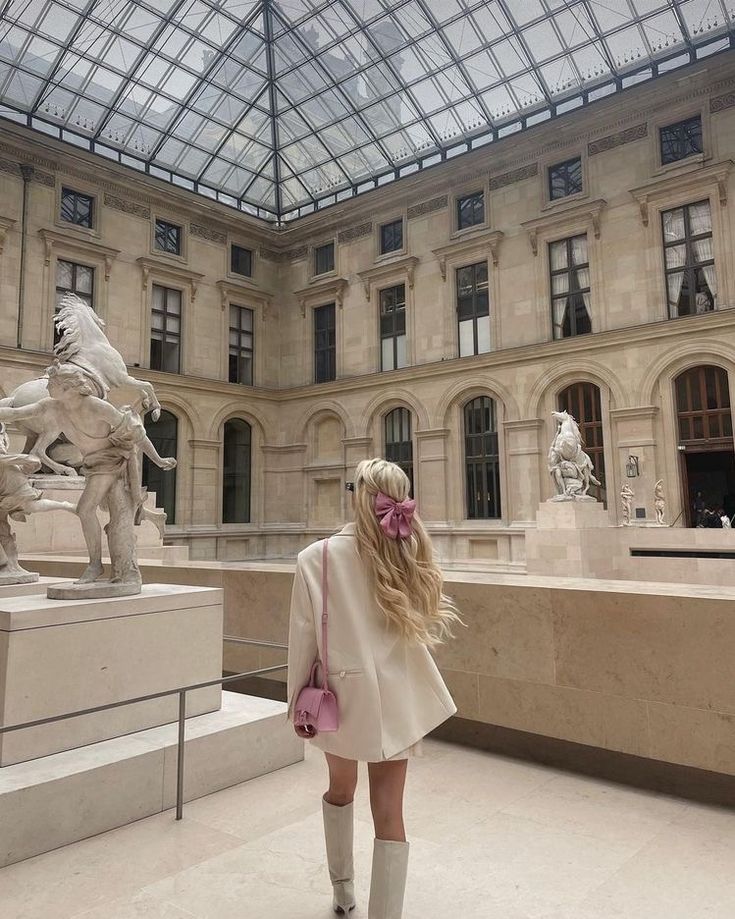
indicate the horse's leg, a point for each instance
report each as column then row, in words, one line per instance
column 42, row 444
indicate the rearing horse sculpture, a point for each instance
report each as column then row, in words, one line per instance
column 570, row 467
column 84, row 344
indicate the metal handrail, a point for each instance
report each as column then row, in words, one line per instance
column 181, row 691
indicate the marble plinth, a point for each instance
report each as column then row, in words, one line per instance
column 62, row 656
column 569, row 539
column 39, row 586
column 65, row 797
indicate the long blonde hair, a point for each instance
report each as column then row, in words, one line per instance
column 407, row 581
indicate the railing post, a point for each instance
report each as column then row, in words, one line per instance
column 180, row 757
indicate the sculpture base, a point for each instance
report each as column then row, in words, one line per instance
column 18, row 577
column 95, row 590
column 587, row 498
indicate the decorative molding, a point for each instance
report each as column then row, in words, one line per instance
column 232, row 290
column 589, row 211
column 352, row 233
column 127, row 206
column 333, row 289
column 637, row 132
column 720, row 103
column 400, row 266
column 514, row 176
column 476, row 244
column 270, row 255
column 634, row 412
column 44, row 178
column 291, row 255
column 150, row 266
column 9, row 167
column 209, row 233
column 55, row 240
column 6, row 223
column 676, row 182
column 427, row 207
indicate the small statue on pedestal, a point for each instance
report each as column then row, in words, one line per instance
column 659, row 502
column 570, row 467
column 109, row 439
column 18, row 498
column 626, row 499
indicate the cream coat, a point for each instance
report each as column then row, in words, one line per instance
column 389, row 690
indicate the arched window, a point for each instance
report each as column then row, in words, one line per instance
column 163, row 434
column 236, row 477
column 582, row 401
column 398, row 442
column 482, row 459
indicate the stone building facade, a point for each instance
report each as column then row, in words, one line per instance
column 482, row 310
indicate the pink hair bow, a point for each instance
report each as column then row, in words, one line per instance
column 395, row 516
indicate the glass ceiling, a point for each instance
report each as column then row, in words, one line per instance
column 278, row 107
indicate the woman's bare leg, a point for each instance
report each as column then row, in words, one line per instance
column 342, row 780
column 387, row 781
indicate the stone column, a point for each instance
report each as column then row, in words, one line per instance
column 432, row 474
column 634, row 433
column 523, row 455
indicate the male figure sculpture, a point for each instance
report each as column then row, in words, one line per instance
column 108, row 439
column 19, row 498
column 659, row 502
column 626, row 499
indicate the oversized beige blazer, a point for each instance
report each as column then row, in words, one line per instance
column 389, row 690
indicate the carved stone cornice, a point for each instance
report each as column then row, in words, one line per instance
column 675, row 182
column 5, row 224
column 126, row 206
column 402, row 266
column 477, row 244
column 333, row 289
column 589, row 211
column 53, row 239
column 211, row 234
column 427, row 207
column 151, row 266
column 236, row 290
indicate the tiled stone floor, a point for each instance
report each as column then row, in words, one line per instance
column 490, row 837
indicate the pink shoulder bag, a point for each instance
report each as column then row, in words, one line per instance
column 316, row 706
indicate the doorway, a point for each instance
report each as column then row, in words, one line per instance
column 713, row 474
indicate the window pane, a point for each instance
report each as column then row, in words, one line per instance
column 241, row 261
column 483, row 334
column 466, row 338
column 64, row 274
column 163, row 434
column 387, row 354
column 236, row 472
column 401, row 349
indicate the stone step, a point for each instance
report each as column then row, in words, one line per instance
column 62, row 798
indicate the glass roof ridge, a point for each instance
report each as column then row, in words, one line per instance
column 282, row 107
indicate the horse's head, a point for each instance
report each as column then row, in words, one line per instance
column 560, row 417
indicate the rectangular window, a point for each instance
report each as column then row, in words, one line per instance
column 473, row 309
column 241, row 345
column 570, row 287
column 691, row 282
column 391, row 237
column 393, row 327
column 470, row 210
column 166, row 329
column 324, row 258
column 77, row 208
column 241, row 261
column 325, row 348
column 168, row 237
column 72, row 278
column 565, row 178
column 680, row 140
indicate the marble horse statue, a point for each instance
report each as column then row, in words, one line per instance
column 84, row 345
column 570, row 467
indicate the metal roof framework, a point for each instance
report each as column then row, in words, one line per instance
column 282, row 107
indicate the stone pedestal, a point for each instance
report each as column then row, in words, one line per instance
column 570, row 540
column 39, row 586
column 60, row 656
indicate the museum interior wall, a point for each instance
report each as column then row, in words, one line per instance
column 436, row 314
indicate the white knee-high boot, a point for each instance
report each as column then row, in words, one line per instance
column 388, row 879
column 338, row 835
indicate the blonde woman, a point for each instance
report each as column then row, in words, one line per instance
column 386, row 610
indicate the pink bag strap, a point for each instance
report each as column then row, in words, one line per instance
column 325, row 666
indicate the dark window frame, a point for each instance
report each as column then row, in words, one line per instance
column 241, row 350
column 233, row 260
column 467, row 213
column 476, row 310
column 691, row 266
column 574, row 294
column 164, row 240
column 392, row 321
column 399, row 450
column 681, row 136
column 167, row 336
column 330, row 260
column 325, row 343
column 482, row 459
column 391, row 240
column 583, row 400
column 703, row 408
column 240, row 474
column 560, row 174
column 76, row 216
column 166, row 493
